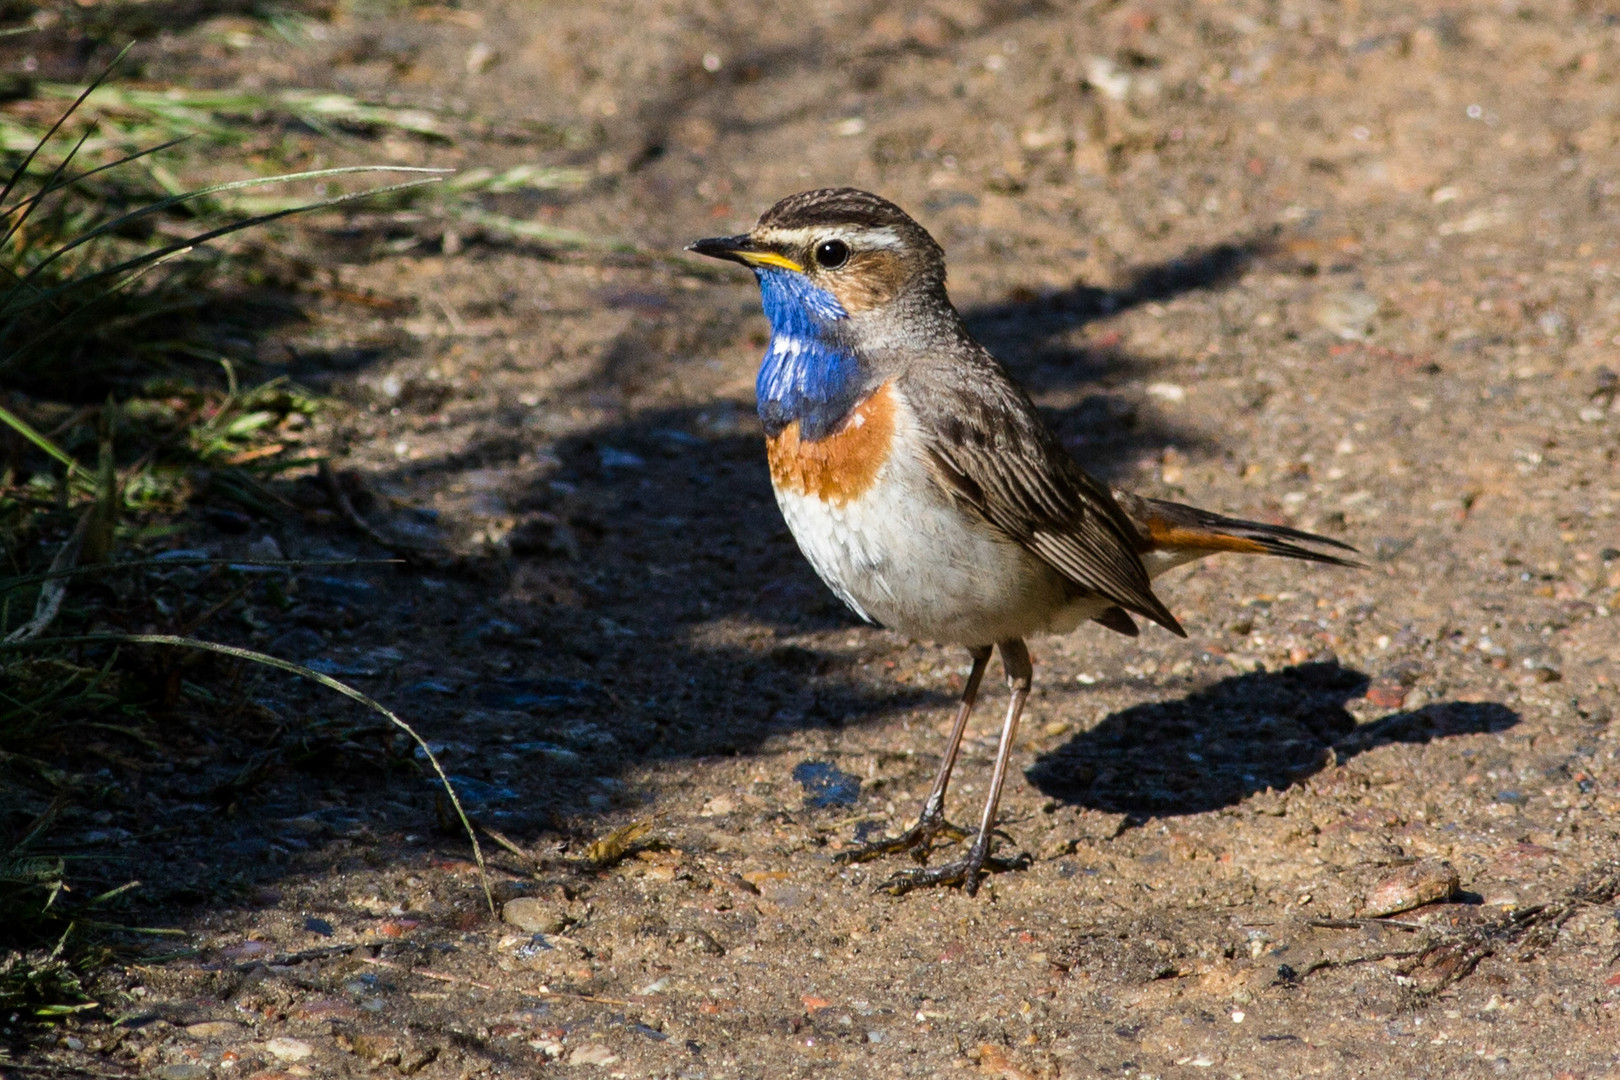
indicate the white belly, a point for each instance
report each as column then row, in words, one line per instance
column 902, row 556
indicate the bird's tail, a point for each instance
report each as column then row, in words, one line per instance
column 1173, row 528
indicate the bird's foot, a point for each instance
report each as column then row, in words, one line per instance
column 920, row 840
column 964, row 872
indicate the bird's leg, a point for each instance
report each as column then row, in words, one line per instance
column 965, row 871
column 919, row 839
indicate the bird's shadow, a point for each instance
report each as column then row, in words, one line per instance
column 1027, row 321
column 1217, row 746
column 1107, row 429
column 673, row 531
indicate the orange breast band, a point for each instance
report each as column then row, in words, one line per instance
column 844, row 465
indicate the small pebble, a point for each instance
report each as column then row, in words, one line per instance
column 592, row 1054
column 1386, row 695
column 396, row 928
column 533, row 915
column 323, row 1009
column 297, row 644
column 246, row 950
column 1350, row 314
column 265, row 549
column 719, row 806
column 285, row 1049
column 1424, row 882
column 376, row 1047
column 181, row 1071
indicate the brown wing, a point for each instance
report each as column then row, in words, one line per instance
column 990, row 451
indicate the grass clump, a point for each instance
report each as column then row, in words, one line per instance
column 121, row 407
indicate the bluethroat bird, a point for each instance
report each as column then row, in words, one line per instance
column 924, row 488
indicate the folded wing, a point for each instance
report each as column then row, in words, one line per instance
column 989, row 451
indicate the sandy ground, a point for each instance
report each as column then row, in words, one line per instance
column 1346, row 266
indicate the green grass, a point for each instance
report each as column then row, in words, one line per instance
column 133, row 264
column 119, row 402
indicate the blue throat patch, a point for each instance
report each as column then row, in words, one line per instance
column 809, row 375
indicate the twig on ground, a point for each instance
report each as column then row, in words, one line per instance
column 463, row 981
column 1357, row 924
column 530, row 860
column 303, row 957
column 168, row 564
column 1452, row 954
column 414, row 553
column 54, row 591
column 1327, row 963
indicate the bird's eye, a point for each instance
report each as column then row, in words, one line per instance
column 831, row 254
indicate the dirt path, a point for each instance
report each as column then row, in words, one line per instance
column 1346, row 266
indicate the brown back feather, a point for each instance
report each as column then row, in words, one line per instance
column 991, row 452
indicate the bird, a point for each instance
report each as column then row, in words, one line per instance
column 924, row 488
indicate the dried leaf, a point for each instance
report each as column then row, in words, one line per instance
column 617, row 844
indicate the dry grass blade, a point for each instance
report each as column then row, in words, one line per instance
column 546, row 234
column 197, row 109
column 530, row 860
column 54, row 591
column 296, row 669
column 7, row 307
column 146, row 260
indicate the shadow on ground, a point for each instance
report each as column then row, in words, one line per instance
column 1031, row 335
column 1245, row 734
column 644, row 613
column 649, row 612
column 669, row 516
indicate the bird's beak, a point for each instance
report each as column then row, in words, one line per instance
column 742, row 249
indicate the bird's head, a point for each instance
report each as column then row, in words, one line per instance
column 836, row 254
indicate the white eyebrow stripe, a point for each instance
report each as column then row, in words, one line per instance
column 881, row 237
column 788, row 237
column 884, row 237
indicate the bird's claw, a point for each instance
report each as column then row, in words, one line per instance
column 964, row 872
column 920, row 840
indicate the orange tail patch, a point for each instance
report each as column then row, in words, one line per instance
column 1162, row 536
column 844, row 465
